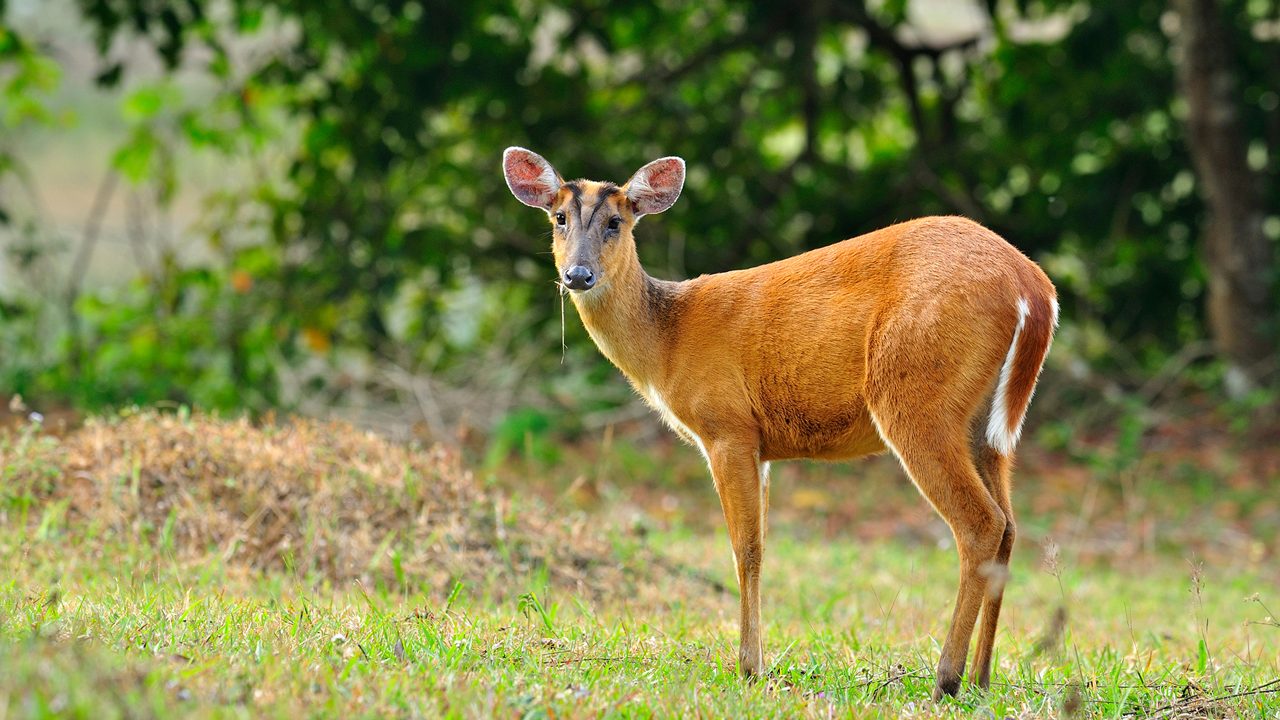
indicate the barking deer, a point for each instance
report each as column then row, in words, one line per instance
column 925, row 339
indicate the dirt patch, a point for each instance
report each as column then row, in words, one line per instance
column 315, row 499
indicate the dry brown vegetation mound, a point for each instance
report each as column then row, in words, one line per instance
column 321, row 500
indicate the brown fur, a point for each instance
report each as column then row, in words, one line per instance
column 894, row 339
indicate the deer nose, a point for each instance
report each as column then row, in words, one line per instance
column 579, row 278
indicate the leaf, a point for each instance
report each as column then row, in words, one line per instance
column 134, row 159
column 250, row 20
column 201, row 134
column 147, row 102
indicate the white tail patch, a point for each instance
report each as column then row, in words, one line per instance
column 1002, row 434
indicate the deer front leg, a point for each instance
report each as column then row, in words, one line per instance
column 740, row 481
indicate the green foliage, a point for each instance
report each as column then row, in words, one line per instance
column 531, row 607
column 796, row 137
column 387, row 225
column 27, row 77
column 190, row 338
column 528, row 431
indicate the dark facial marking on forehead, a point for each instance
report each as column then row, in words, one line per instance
column 575, row 191
column 603, row 199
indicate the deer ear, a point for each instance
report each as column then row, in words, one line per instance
column 656, row 186
column 531, row 178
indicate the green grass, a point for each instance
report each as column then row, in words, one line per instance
column 162, row 566
column 124, row 631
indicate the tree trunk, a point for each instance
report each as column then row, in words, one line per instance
column 1237, row 255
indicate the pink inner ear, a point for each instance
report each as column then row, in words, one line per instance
column 657, row 185
column 664, row 175
column 522, row 168
column 527, row 177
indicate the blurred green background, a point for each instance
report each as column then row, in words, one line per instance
column 255, row 204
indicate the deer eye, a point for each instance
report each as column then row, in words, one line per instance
column 615, row 222
column 560, row 219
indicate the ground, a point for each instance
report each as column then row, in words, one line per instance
column 162, row 564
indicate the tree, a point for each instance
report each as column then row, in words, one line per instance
column 1237, row 254
column 1054, row 122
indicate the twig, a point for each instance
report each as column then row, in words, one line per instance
column 1263, row 689
column 420, row 388
column 634, row 410
column 961, row 202
column 892, row 676
column 92, row 231
column 897, row 677
column 80, row 264
column 707, row 53
column 563, row 347
column 138, row 234
column 575, row 661
column 1172, row 369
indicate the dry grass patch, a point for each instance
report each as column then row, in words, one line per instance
column 314, row 499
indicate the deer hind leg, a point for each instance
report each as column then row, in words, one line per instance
column 935, row 453
column 995, row 470
column 741, row 480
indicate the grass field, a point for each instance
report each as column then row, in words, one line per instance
column 165, row 565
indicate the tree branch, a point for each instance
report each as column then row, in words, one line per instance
column 961, row 202
column 904, row 56
column 706, row 54
column 80, row 264
column 883, row 37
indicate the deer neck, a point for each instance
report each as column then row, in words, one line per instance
column 629, row 319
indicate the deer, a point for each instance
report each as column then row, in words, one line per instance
column 924, row 339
